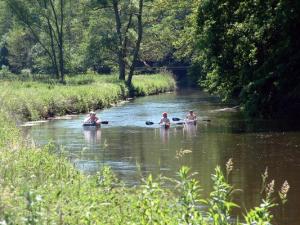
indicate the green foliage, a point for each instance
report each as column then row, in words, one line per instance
column 189, row 198
column 249, row 50
column 260, row 215
column 19, row 43
column 3, row 53
column 80, row 79
column 106, row 178
column 151, row 205
column 169, row 30
column 45, row 22
column 9, row 135
column 220, row 204
column 5, row 73
column 98, row 47
column 5, row 18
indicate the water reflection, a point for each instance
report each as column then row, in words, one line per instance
column 92, row 135
column 164, row 135
column 190, row 130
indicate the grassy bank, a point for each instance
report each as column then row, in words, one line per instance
column 33, row 100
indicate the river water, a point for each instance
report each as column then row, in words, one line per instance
column 131, row 148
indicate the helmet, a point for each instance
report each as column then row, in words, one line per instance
column 165, row 114
column 92, row 113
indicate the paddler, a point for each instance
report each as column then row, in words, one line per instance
column 165, row 120
column 92, row 119
column 191, row 115
column 191, row 118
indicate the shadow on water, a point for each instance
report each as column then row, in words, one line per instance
column 127, row 142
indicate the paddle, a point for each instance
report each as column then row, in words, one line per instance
column 180, row 123
column 94, row 124
column 178, row 119
column 151, row 123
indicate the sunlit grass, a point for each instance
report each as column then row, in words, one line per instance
column 146, row 85
column 32, row 100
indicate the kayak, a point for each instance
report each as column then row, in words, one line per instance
column 191, row 122
column 91, row 124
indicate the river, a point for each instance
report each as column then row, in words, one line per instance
column 131, row 148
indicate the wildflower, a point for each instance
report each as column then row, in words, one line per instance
column 270, row 188
column 229, row 166
column 283, row 191
column 265, row 175
column 264, row 179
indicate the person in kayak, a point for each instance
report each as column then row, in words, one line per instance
column 92, row 118
column 191, row 117
column 165, row 120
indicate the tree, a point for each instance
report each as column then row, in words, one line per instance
column 45, row 20
column 19, row 43
column 5, row 19
column 170, row 30
column 122, row 30
column 128, row 17
column 249, row 50
column 138, row 41
column 170, row 35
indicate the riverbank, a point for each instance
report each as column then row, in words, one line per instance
column 32, row 100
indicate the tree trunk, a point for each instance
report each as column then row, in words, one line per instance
column 61, row 43
column 59, row 38
column 120, row 51
column 52, row 47
column 122, row 66
column 53, row 58
column 138, row 43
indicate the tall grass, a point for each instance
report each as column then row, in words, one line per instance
column 9, row 135
column 149, row 84
column 31, row 100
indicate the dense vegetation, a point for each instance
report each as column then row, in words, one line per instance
column 250, row 50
